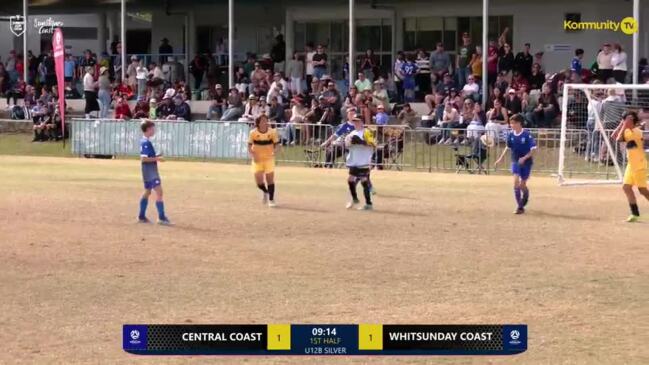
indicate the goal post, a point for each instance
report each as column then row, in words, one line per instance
column 589, row 115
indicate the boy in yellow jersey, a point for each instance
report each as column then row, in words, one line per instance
column 636, row 168
column 262, row 143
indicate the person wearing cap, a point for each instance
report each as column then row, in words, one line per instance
column 604, row 63
column 513, row 102
column 105, row 92
column 252, row 109
column 361, row 145
column 464, row 60
column 166, row 107
column 131, row 72
column 153, row 109
column 380, row 95
column 217, row 106
column 263, row 143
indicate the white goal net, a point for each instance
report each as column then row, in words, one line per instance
column 590, row 113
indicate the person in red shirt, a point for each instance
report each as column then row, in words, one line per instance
column 122, row 110
column 124, row 90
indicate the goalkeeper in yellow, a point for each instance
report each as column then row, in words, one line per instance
column 262, row 143
column 630, row 133
column 361, row 144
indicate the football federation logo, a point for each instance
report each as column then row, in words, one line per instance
column 135, row 335
column 17, row 25
column 514, row 335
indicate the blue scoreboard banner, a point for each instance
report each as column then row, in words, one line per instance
column 324, row 340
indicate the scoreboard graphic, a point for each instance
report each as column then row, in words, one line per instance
column 324, row 340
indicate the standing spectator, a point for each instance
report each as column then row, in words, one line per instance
column 440, row 61
column 464, row 59
column 423, row 74
column 217, row 107
column 618, row 60
column 10, row 66
column 319, row 62
column 604, row 64
column 298, row 113
column 164, row 50
column 197, row 69
column 50, row 69
column 69, row 68
column 492, row 63
column 476, row 67
column 409, row 70
column 105, row 93
column 90, row 91
column 523, row 61
column 295, row 72
column 369, row 65
column 397, row 71
column 309, row 66
column 17, row 90
column 278, row 53
column 576, row 66
column 131, row 73
column 141, row 74
column 506, row 61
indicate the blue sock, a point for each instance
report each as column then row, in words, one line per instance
column 143, row 204
column 161, row 210
column 517, row 195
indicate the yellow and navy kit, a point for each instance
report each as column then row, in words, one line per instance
column 263, row 144
column 636, row 168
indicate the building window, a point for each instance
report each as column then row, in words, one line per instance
column 425, row 32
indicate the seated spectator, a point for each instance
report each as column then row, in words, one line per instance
column 279, row 88
column 450, row 119
column 471, row 89
column 298, row 116
column 547, row 109
column 407, row 116
column 122, row 110
column 252, row 109
column 381, row 118
column 380, row 95
column 182, row 111
column 496, row 94
column 332, row 98
column 153, row 109
column 446, row 84
column 141, row 109
column 43, row 122
column 537, row 78
column 497, row 120
column 350, row 100
column 234, row 108
column 502, row 82
column 122, row 89
column 363, row 83
column 513, row 102
column 518, row 81
column 477, row 125
column 217, row 106
column 166, row 108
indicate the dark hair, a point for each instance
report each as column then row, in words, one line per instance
column 579, row 51
column 632, row 113
column 146, row 125
column 517, row 118
column 259, row 118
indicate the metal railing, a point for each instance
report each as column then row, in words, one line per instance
column 398, row 147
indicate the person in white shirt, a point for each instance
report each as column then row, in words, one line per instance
column 252, row 110
column 295, row 72
column 471, row 89
column 278, row 88
column 604, row 66
column 360, row 143
column 309, row 65
column 618, row 61
column 90, row 91
column 141, row 74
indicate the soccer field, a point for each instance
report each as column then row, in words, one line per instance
column 439, row 248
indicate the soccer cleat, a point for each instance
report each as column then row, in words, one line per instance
column 633, row 218
column 143, row 220
column 164, row 221
column 519, row 211
column 351, row 204
column 366, row 207
column 264, row 199
column 272, row 204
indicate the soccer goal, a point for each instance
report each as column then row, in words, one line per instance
column 588, row 154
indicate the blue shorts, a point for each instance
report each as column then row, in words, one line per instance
column 523, row 171
column 151, row 184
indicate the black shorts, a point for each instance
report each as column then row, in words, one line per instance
column 359, row 172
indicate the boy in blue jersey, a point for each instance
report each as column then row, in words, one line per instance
column 409, row 71
column 522, row 145
column 150, row 175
